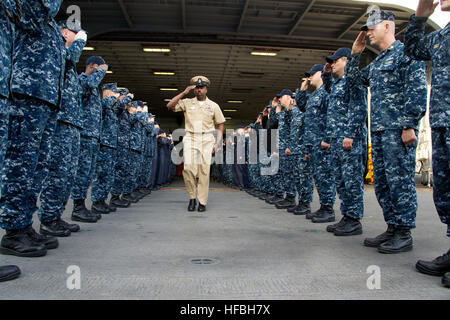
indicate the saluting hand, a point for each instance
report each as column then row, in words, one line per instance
column 360, row 43
column 425, row 8
column 189, row 88
column 305, row 85
column 81, row 35
column 327, row 67
column 104, row 67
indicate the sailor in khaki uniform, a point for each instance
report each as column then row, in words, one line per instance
column 201, row 117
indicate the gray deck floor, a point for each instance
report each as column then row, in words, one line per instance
column 144, row 252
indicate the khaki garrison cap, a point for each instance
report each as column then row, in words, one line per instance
column 200, row 81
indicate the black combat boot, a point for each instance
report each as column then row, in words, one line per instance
column 138, row 194
column 288, row 202
column 48, row 242
column 111, row 208
column 9, row 273
column 437, row 267
column 271, row 197
column 324, row 214
column 73, row 227
column 201, row 207
column 265, row 196
column 303, row 208
column 100, row 207
column 292, row 209
column 130, row 197
column 81, row 214
column 385, row 236
column 145, row 191
column 446, row 280
column 275, row 199
column 19, row 243
column 310, row 215
column 332, row 227
column 400, row 242
column 117, row 202
column 349, row 227
column 54, row 228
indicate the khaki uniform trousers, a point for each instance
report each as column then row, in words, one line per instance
column 197, row 151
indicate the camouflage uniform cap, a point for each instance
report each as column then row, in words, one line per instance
column 375, row 17
column 111, row 87
column 74, row 26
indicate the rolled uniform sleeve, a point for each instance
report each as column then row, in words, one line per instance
column 218, row 116
column 417, row 45
column 415, row 93
column 357, row 113
column 355, row 76
column 92, row 81
column 181, row 106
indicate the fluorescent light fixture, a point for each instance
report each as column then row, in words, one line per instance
column 168, row 89
column 121, row 88
column 88, row 48
column 167, row 100
column 264, row 53
column 164, row 73
column 109, row 72
column 235, row 101
column 228, row 118
column 157, row 50
column 230, row 110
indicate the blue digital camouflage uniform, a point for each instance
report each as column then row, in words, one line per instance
column 345, row 122
column 399, row 94
column 254, row 150
column 158, row 166
column 320, row 159
column 273, row 181
column 104, row 167
column 6, row 46
column 135, row 154
column 229, row 159
column 163, row 161
column 172, row 166
column 435, row 47
column 264, row 154
column 155, row 160
column 151, row 154
column 91, row 118
column 286, row 182
column 252, row 157
column 146, row 170
column 65, row 149
column 36, row 82
column 302, row 170
column 122, row 167
column 139, row 128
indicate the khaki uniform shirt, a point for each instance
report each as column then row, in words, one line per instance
column 200, row 118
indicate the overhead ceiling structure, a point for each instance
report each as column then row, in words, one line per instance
column 216, row 39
